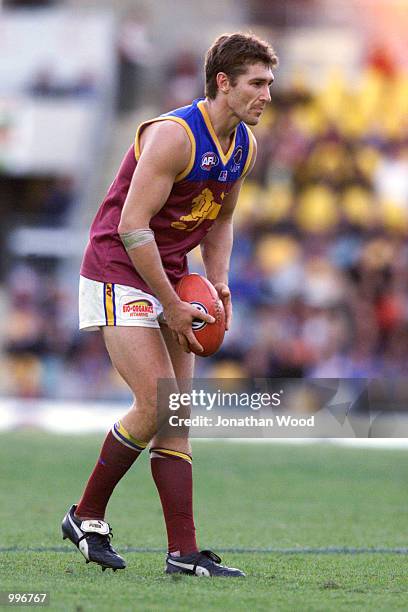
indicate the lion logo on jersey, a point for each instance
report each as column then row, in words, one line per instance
column 203, row 207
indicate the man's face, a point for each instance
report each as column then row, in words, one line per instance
column 250, row 94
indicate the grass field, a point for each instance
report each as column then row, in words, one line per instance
column 304, row 502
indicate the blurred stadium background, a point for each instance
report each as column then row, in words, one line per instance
column 320, row 265
column 319, row 279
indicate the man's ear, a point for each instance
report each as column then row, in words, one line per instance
column 223, row 82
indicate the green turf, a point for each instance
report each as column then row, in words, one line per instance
column 246, row 495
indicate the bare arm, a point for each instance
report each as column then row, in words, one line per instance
column 217, row 246
column 149, row 189
column 216, row 250
column 165, row 153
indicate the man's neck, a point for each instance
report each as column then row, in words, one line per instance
column 223, row 120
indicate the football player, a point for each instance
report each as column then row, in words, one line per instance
column 176, row 188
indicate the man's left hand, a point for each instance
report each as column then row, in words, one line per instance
column 225, row 296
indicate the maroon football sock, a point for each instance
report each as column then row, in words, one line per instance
column 117, row 455
column 174, row 481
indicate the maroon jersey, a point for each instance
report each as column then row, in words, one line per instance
column 189, row 212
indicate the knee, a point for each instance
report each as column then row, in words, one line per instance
column 147, row 401
column 146, row 397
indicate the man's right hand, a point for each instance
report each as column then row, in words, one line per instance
column 179, row 317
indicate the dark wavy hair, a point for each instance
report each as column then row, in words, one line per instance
column 231, row 53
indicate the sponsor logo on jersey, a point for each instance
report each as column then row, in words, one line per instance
column 198, row 323
column 223, row 175
column 209, row 160
column 138, row 308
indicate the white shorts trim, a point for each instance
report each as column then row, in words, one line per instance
column 111, row 304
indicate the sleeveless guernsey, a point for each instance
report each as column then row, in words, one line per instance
column 190, row 210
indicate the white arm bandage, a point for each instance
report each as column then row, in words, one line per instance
column 136, row 238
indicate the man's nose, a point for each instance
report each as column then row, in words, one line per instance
column 266, row 94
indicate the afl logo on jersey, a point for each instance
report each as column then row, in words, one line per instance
column 209, row 160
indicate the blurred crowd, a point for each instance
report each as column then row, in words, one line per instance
column 319, row 271
column 38, row 201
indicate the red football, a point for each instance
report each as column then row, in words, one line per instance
column 199, row 292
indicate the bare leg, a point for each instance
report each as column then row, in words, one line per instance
column 141, row 357
column 183, row 366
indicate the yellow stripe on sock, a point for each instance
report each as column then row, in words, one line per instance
column 123, row 441
column 173, row 453
column 122, row 431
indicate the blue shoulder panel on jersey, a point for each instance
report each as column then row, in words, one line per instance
column 211, row 163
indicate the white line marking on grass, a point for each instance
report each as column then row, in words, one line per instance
column 329, row 550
